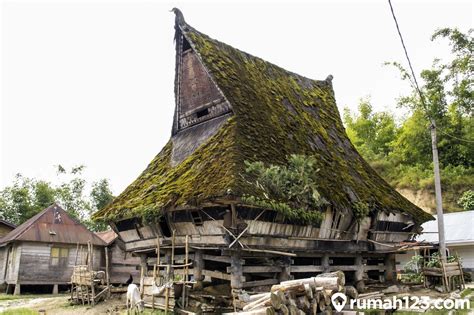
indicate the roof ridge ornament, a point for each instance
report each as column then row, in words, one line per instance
column 179, row 18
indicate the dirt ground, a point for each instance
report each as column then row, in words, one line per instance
column 59, row 305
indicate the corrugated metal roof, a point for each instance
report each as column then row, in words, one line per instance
column 458, row 229
column 107, row 236
column 52, row 225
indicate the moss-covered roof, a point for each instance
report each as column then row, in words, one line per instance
column 275, row 113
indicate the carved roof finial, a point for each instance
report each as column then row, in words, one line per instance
column 179, row 19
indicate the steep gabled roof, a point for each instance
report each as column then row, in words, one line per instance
column 275, row 113
column 52, row 225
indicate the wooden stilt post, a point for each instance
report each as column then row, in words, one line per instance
column 325, row 262
column 17, row 289
column 143, row 273
column 359, row 273
column 185, row 280
column 285, row 273
column 157, row 251
column 107, row 271
column 198, row 266
column 55, row 289
column 236, row 275
column 389, row 262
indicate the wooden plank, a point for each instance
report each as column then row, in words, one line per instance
column 257, row 283
column 224, row 259
column 306, row 269
column 259, row 269
column 216, row 274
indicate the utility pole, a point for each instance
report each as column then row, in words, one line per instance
column 439, row 198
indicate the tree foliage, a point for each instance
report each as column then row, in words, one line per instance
column 28, row 196
column 467, row 200
column 289, row 189
column 401, row 150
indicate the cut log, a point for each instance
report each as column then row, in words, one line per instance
column 276, row 301
column 289, row 287
column 318, row 296
column 351, row 292
column 369, row 294
column 260, row 311
column 270, row 311
column 314, row 308
column 327, row 296
column 255, row 303
column 255, row 297
column 284, row 310
column 332, row 280
column 327, row 311
column 322, row 306
column 309, row 291
column 303, row 303
column 282, row 296
column 293, row 310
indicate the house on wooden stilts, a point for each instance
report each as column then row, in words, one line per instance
column 124, row 266
column 232, row 107
column 43, row 250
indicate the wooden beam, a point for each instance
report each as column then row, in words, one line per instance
column 216, row 274
column 224, row 259
column 258, row 283
column 258, row 269
column 310, row 268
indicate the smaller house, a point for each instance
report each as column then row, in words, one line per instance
column 6, row 227
column 44, row 249
column 459, row 236
column 122, row 263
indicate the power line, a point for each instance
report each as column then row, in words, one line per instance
column 417, row 87
column 408, row 57
column 451, row 136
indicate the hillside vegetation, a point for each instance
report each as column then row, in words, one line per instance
column 400, row 150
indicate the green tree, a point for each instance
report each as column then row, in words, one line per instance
column 447, row 98
column 371, row 133
column 24, row 198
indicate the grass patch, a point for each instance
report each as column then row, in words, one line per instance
column 466, row 292
column 19, row 311
column 10, row 297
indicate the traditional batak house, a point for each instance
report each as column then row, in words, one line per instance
column 44, row 249
column 232, row 107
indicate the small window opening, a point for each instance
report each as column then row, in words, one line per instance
column 127, row 224
column 202, row 113
column 165, row 228
column 59, row 256
column 196, row 217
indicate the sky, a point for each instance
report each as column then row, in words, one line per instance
column 91, row 82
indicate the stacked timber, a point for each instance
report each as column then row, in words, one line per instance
column 297, row 297
column 82, row 275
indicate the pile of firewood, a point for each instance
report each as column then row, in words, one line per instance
column 299, row 297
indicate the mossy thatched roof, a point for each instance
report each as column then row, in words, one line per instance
column 275, row 113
